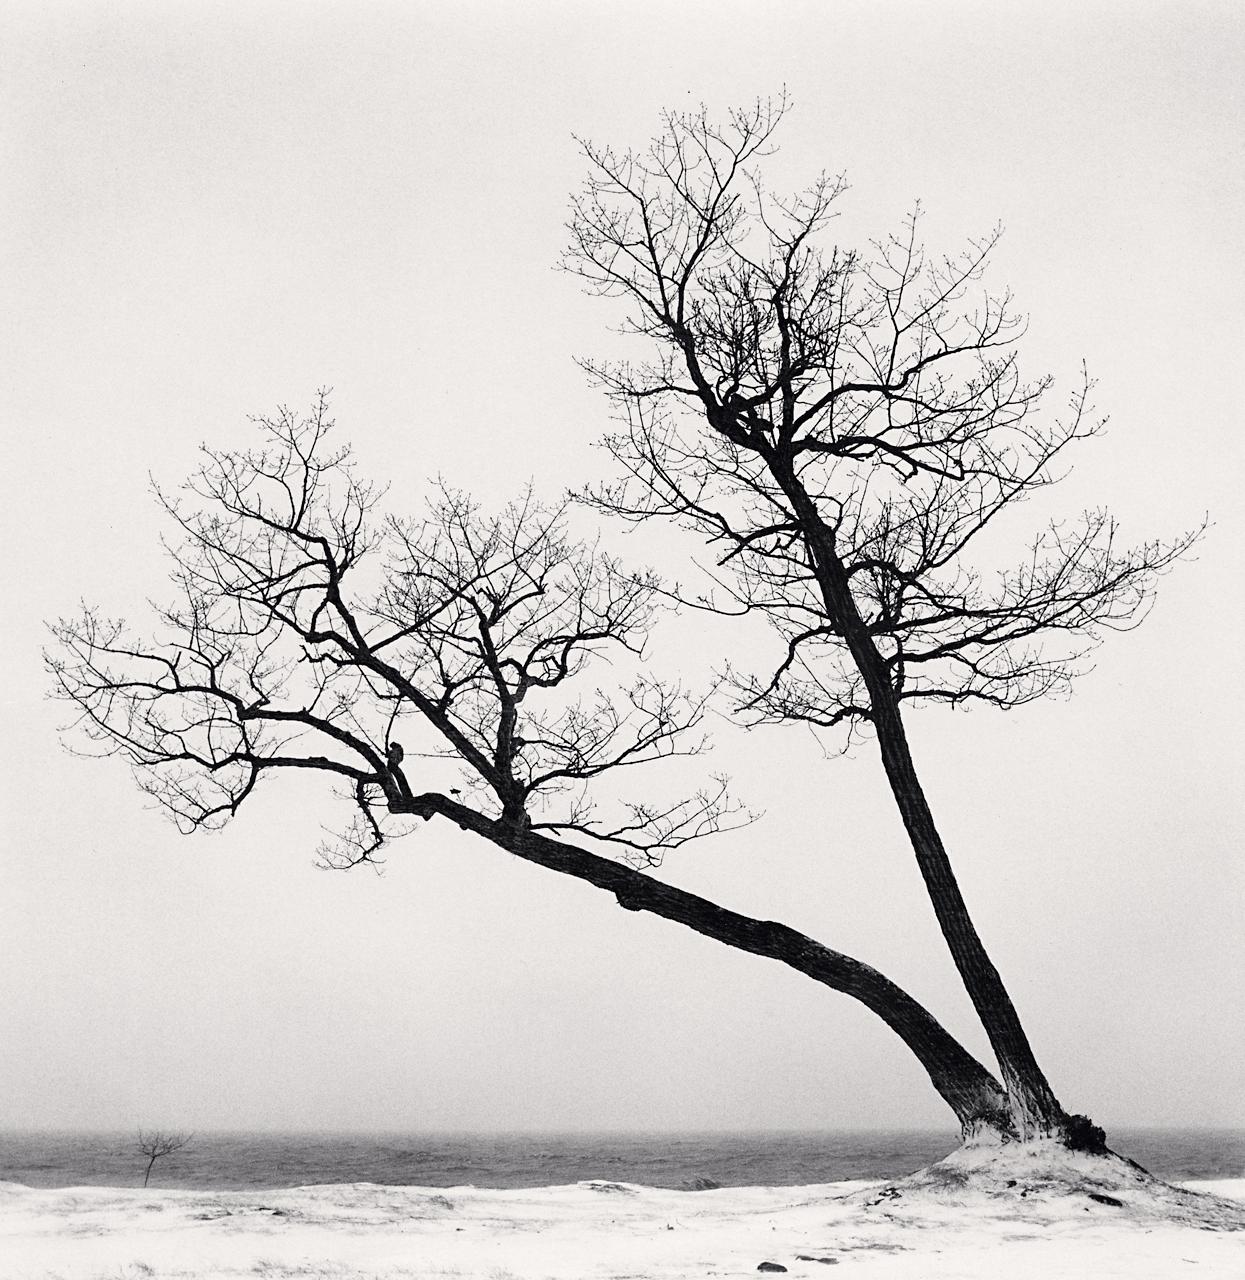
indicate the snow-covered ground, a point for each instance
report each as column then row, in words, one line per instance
column 965, row 1221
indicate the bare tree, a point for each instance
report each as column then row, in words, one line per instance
column 850, row 431
column 395, row 657
column 159, row 1143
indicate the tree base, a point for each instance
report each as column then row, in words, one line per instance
column 1077, row 1133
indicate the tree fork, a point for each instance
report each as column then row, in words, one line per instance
column 968, row 1088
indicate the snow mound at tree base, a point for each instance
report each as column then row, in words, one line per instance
column 1044, row 1182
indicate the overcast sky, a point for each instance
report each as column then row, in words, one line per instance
column 208, row 211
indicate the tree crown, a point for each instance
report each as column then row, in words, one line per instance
column 312, row 633
column 803, row 400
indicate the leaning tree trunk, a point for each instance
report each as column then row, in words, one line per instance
column 1035, row 1111
column 973, row 1094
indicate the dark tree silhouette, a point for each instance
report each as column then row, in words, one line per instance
column 159, row 1143
column 850, row 431
column 309, row 634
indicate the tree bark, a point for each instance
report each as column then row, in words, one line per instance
column 1034, row 1109
column 973, row 1094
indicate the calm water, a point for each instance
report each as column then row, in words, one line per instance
column 257, row 1161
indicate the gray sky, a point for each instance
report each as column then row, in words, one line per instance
column 210, row 210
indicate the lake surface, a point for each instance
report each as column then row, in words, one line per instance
column 268, row 1160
